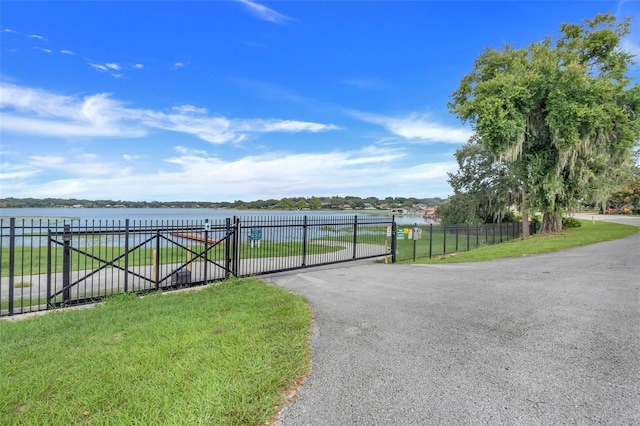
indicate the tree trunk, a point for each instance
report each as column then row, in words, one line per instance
column 551, row 223
column 525, row 214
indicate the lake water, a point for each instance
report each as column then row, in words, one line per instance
column 169, row 215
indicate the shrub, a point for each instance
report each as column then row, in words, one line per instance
column 569, row 222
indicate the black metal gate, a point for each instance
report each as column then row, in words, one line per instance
column 140, row 259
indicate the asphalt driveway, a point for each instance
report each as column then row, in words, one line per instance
column 545, row 340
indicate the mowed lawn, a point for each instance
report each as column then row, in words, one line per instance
column 224, row 355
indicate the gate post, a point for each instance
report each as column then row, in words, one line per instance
column 12, row 262
column 394, row 242
column 355, row 234
column 304, row 240
column 66, row 264
column 206, row 249
column 49, row 267
column 156, row 261
column 126, row 255
column 227, row 249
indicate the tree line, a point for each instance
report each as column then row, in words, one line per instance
column 293, row 203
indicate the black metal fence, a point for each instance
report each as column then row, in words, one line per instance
column 47, row 263
column 426, row 241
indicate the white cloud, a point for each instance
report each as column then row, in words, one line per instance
column 37, row 112
column 129, row 157
column 98, row 67
column 189, row 109
column 138, row 66
column 83, row 166
column 36, row 36
column 15, row 171
column 67, row 52
column 177, row 65
column 264, row 13
column 112, row 66
column 7, row 30
column 417, row 126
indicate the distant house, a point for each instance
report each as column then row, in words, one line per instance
column 399, row 212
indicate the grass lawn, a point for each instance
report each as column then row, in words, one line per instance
column 588, row 233
column 219, row 356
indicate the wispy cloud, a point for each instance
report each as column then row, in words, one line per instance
column 98, row 67
column 37, row 37
column 138, row 66
column 38, row 112
column 112, row 66
column 177, row 65
column 264, row 13
column 364, row 83
column 67, row 52
column 417, row 127
column 7, row 30
column 188, row 175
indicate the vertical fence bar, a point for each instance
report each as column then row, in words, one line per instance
column 477, row 235
column 430, row 239
column 205, row 259
column 468, row 236
column 49, row 271
column 355, row 234
column 304, row 240
column 126, row 255
column 227, row 248
column 236, row 245
column 66, row 265
column 12, row 262
column 156, row 260
column 415, row 239
column 444, row 239
column 457, row 235
column 394, row 242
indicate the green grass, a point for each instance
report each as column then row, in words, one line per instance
column 219, row 356
column 588, row 233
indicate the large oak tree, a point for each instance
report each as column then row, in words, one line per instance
column 562, row 112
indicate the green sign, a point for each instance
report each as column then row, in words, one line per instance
column 255, row 234
column 400, row 234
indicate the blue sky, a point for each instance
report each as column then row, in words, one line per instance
column 242, row 100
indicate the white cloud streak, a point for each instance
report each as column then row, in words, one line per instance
column 188, row 175
column 264, row 13
column 417, row 127
column 38, row 112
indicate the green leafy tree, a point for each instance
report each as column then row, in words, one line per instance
column 315, row 203
column 301, row 204
column 486, row 184
column 287, row 204
column 562, row 113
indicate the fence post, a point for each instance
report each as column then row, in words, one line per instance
column 156, row 261
column 304, row 240
column 227, row 249
column 430, row 238
column 477, row 236
column 468, row 236
column 236, row 246
column 206, row 251
column 415, row 229
column 126, row 255
column 457, row 235
column 394, row 242
column 49, row 272
column 355, row 234
column 444, row 239
column 66, row 264
column 12, row 262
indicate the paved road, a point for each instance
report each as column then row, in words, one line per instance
column 545, row 340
